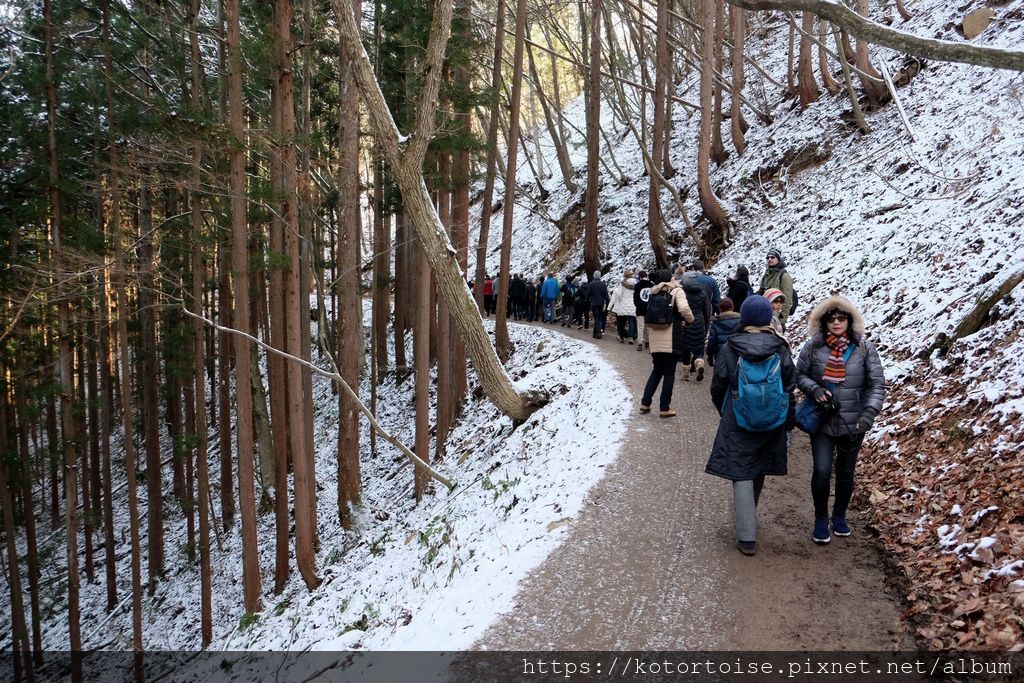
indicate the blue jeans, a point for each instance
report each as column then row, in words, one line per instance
column 549, row 310
column 845, row 449
column 600, row 319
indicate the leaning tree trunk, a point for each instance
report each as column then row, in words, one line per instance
column 874, row 89
column 406, row 158
column 826, row 75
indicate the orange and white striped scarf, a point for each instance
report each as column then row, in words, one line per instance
column 835, row 366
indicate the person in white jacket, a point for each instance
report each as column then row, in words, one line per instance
column 623, row 307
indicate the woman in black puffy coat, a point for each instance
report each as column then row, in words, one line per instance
column 696, row 333
column 838, row 365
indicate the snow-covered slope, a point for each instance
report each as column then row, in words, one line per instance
column 917, row 229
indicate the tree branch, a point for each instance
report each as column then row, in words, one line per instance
column 340, row 381
column 865, row 29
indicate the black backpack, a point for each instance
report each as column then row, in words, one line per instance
column 659, row 310
column 796, row 302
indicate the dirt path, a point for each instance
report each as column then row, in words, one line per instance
column 651, row 564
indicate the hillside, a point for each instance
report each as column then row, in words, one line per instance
column 924, row 232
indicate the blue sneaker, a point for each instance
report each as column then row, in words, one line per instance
column 821, row 535
column 840, row 527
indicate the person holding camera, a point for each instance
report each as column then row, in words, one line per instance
column 840, row 369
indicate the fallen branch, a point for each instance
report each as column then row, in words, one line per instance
column 865, row 29
column 339, row 381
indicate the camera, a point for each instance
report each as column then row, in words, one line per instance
column 831, row 405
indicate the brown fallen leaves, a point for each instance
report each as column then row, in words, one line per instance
column 944, row 487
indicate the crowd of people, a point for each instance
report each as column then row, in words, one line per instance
column 685, row 322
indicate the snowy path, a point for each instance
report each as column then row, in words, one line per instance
column 650, row 562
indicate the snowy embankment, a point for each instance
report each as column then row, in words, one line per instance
column 430, row 576
column 925, row 233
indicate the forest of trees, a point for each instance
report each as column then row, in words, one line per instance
column 195, row 195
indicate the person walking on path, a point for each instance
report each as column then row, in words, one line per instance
column 529, row 300
column 623, row 307
column 488, row 295
column 568, row 292
column 738, row 287
column 838, row 365
column 640, row 295
column 741, row 455
column 778, row 301
column 711, row 288
column 549, row 295
column 696, row 334
column 517, row 296
column 666, row 344
column 723, row 326
column 581, row 305
column 777, row 277
column 598, row 292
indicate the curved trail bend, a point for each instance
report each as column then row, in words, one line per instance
column 650, row 562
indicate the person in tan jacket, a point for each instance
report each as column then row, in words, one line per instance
column 666, row 343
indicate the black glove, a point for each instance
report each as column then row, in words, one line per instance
column 866, row 420
column 819, row 394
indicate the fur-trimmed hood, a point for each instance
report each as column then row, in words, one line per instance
column 833, row 303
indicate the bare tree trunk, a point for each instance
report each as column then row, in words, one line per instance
column 858, row 115
column 224, row 354
column 808, row 86
column 737, row 126
column 443, row 339
column 251, row 576
column 874, row 90
column 350, row 336
column 492, row 156
column 64, row 365
column 403, row 289
column 278, row 370
column 25, row 463
column 501, row 319
column 460, row 207
column 902, row 9
column 718, row 151
column 826, row 75
column 561, row 151
column 591, row 249
column 658, row 138
column 19, row 629
column 708, row 201
column 421, row 361
column 296, row 311
column 790, row 57
column 120, row 339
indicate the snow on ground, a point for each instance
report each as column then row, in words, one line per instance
column 916, row 230
column 427, row 576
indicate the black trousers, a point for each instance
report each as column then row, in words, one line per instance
column 845, row 449
column 664, row 372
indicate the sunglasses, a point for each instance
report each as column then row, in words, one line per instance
column 769, row 258
column 837, row 317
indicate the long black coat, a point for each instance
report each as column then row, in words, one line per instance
column 738, row 454
column 696, row 333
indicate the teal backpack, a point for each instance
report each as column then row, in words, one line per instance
column 759, row 402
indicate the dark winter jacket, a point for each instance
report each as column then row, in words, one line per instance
column 640, row 297
column 737, row 453
column 598, row 292
column 722, row 327
column 863, row 391
column 696, row 333
column 530, row 292
column 779, row 278
column 517, row 288
column 738, row 292
column 711, row 290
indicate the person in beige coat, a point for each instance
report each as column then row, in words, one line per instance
column 666, row 344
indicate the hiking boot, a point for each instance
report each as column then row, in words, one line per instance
column 622, row 340
column 700, row 369
column 667, row 413
column 840, row 527
column 686, row 374
column 644, row 409
column 747, row 547
column 640, row 348
column 821, row 535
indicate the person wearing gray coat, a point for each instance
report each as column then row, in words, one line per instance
column 852, row 382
